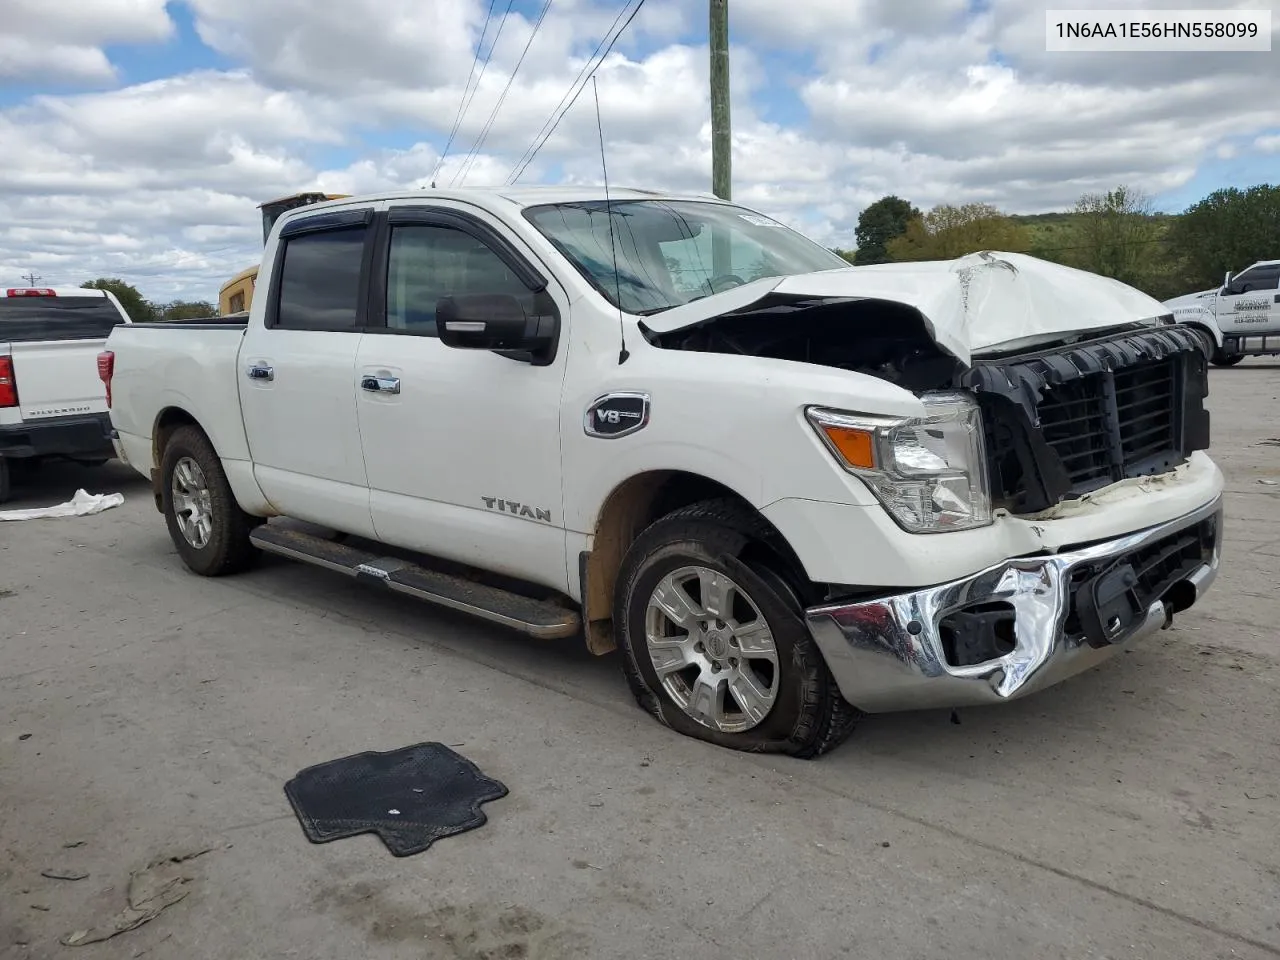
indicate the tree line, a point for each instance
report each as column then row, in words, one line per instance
column 1116, row 234
column 142, row 310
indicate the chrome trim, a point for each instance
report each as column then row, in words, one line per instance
column 588, row 418
column 376, row 383
column 886, row 654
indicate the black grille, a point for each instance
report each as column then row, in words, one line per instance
column 1066, row 422
column 1110, row 425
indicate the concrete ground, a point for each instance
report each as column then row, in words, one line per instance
column 146, row 713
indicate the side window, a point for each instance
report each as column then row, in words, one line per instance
column 320, row 280
column 1244, row 281
column 427, row 263
column 1263, row 278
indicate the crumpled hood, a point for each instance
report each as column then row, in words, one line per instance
column 975, row 303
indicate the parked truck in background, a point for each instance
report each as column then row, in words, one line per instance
column 1242, row 316
column 788, row 490
column 52, row 402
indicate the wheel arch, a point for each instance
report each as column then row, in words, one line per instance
column 632, row 506
column 240, row 473
column 167, row 421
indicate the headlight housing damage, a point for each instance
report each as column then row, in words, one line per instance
column 929, row 473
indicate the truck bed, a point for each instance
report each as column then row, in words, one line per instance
column 190, row 366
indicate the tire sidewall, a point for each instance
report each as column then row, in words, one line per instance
column 206, row 558
column 791, row 714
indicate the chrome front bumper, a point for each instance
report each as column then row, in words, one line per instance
column 1068, row 611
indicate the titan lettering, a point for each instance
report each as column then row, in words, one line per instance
column 516, row 509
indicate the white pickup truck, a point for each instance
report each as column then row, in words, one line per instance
column 789, row 490
column 52, row 400
column 1242, row 316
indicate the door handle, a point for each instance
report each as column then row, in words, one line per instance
column 261, row 371
column 380, row 384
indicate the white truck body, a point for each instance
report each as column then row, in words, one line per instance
column 1242, row 316
column 52, row 400
column 365, row 409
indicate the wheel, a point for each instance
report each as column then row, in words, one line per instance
column 1220, row 359
column 206, row 524
column 713, row 639
column 5, row 488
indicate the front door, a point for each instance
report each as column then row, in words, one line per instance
column 298, row 375
column 461, row 447
column 1250, row 306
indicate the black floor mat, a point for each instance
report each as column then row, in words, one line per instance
column 409, row 797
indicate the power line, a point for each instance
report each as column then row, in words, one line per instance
column 32, row 278
column 457, row 119
column 469, row 96
column 540, row 140
column 484, row 132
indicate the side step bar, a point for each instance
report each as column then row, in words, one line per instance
column 544, row 619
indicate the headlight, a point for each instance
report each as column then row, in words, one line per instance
column 929, row 473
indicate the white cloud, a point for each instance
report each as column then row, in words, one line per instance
column 62, row 40
column 835, row 103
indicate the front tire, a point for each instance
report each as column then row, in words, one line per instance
column 205, row 523
column 713, row 639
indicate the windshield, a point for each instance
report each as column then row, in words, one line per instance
column 670, row 252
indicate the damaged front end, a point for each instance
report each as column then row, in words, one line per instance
column 1019, row 626
column 1077, row 413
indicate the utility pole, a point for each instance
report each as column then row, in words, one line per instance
column 721, row 139
column 31, row 277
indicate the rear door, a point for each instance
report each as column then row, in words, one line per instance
column 297, row 372
column 53, row 339
column 1251, row 305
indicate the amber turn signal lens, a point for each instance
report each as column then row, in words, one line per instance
column 857, row 447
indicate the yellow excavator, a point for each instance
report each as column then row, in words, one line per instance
column 237, row 293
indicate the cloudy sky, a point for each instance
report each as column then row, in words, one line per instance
column 137, row 136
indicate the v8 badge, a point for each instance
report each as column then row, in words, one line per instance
column 617, row 415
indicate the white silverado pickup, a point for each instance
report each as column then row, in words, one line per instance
column 52, row 401
column 788, row 489
column 1242, row 316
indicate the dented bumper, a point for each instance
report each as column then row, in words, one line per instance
column 1021, row 625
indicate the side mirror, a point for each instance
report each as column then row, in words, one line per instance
column 494, row 322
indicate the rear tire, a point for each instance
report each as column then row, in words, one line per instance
column 738, row 666
column 5, row 482
column 205, row 523
column 1220, row 359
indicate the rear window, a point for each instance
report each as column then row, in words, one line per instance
column 56, row 318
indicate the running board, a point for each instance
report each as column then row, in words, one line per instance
column 544, row 619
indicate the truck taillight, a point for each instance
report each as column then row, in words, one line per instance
column 30, row 292
column 8, row 385
column 106, row 369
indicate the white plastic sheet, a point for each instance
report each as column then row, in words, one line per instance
column 83, row 504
